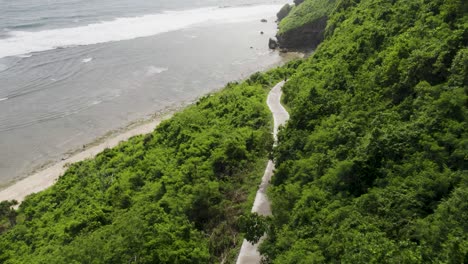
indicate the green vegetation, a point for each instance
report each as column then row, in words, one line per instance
column 372, row 167
column 172, row 196
column 7, row 215
column 305, row 13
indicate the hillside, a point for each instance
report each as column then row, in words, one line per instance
column 372, row 166
column 172, row 196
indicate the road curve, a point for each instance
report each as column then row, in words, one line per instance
column 249, row 253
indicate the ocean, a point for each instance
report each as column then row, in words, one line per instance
column 71, row 71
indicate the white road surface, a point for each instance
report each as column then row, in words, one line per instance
column 249, row 253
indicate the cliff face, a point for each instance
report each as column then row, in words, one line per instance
column 307, row 36
column 284, row 11
column 304, row 26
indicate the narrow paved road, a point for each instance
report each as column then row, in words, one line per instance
column 249, row 253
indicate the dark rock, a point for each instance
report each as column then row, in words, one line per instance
column 264, row 20
column 298, row 2
column 308, row 36
column 284, row 11
column 272, row 44
column 261, row 32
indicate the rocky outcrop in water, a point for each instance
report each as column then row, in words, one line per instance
column 272, row 44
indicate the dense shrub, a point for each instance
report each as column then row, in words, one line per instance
column 172, row 196
column 372, row 166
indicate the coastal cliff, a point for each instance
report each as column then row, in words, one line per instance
column 307, row 36
column 304, row 26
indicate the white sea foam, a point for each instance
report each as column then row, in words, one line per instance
column 3, row 99
column 87, row 60
column 152, row 70
column 22, row 42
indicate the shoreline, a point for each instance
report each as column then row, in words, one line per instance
column 46, row 175
column 66, row 154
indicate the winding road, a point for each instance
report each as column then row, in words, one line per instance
column 249, row 253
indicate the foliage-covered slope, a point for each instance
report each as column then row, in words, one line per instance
column 172, row 196
column 305, row 13
column 372, row 167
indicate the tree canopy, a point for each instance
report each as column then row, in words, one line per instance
column 372, row 166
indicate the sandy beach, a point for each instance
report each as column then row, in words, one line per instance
column 45, row 178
